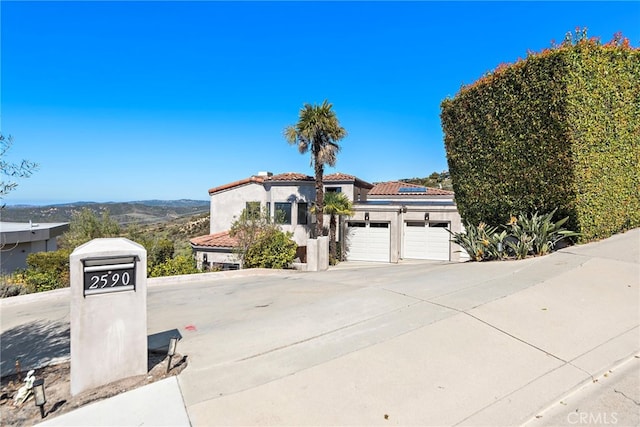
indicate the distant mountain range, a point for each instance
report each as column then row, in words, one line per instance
column 143, row 211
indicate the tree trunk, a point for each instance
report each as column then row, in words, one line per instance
column 332, row 238
column 319, row 168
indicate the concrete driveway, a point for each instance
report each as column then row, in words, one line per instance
column 417, row 343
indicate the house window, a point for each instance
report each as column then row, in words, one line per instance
column 253, row 210
column 334, row 190
column 283, row 213
column 302, row 213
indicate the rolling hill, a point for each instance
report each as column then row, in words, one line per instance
column 141, row 212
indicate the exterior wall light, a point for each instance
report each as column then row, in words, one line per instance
column 173, row 343
column 426, row 216
column 366, row 216
column 39, row 396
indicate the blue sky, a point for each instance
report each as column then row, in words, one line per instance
column 121, row 101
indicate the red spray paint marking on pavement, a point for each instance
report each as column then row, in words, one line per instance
column 190, row 328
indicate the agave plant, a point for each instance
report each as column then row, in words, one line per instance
column 476, row 241
column 542, row 233
column 521, row 245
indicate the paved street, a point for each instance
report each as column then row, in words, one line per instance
column 420, row 343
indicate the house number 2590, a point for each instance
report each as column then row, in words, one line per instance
column 110, row 279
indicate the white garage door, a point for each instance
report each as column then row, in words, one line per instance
column 424, row 240
column 368, row 241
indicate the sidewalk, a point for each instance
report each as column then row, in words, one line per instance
column 417, row 344
column 157, row 404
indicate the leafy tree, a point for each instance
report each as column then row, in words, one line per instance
column 12, row 170
column 317, row 131
column 272, row 248
column 161, row 251
column 248, row 228
column 86, row 226
column 335, row 204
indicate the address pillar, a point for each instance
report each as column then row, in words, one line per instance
column 108, row 312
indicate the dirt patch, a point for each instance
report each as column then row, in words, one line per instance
column 58, row 391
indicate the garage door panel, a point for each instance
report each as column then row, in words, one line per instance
column 426, row 241
column 369, row 243
column 437, row 243
column 414, row 240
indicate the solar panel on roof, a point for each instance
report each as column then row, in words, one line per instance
column 412, row 190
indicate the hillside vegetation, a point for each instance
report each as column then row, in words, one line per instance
column 440, row 180
column 140, row 212
column 166, row 242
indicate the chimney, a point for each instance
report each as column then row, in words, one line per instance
column 265, row 174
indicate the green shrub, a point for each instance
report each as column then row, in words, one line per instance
column 272, row 249
column 38, row 281
column 261, row 242
column 47, row 270
column 174, row 266
column 558, row 130
column 160, row 251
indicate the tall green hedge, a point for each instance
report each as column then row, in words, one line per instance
column 560, row 129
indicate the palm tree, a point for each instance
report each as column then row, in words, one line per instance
column 335, row 204
column 318, row 131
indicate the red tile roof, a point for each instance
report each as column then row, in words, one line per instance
column 253, row 179
column 392, row 188
column 338, row 176
column 289, row 177
column 217, row 240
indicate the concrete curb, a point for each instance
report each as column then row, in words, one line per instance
column 152, row 282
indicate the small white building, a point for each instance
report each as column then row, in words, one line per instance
column 19, row 239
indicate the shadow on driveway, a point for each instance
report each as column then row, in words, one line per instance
column 34, row 344
column 41, row 342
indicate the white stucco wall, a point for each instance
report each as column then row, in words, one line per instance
column 229, row 204
column 303, row 192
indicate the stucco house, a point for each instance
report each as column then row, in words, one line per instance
column 392, row 220
column 19, row 239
